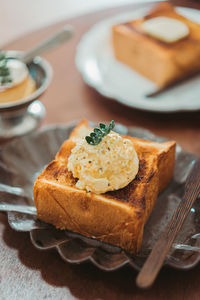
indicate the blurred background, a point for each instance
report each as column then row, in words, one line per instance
column 28, row 15
column 26, row 23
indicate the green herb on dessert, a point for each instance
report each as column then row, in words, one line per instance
column 96, row 137
column 4, row 70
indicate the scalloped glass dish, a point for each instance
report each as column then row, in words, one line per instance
column 23, row 159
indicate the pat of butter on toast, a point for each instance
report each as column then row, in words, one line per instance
column 156, row 54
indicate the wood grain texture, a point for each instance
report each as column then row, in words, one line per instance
column 161, row 248
column 25, row 272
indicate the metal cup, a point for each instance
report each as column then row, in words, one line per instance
column 24, row 115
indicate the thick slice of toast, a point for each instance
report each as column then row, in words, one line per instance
column 159, row 61
column 116, row 217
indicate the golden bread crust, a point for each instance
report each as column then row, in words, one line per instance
column 159, row 61
column 116, row 217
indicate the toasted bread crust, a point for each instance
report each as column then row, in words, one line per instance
column 159, row 61
column 116, row 217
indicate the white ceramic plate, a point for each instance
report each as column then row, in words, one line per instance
column 99, row 68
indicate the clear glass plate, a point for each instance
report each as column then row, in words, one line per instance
column 24, row 158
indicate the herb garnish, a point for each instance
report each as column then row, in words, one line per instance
column 4, row 70
column 96, row 137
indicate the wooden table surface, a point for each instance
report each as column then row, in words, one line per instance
column 27, row 273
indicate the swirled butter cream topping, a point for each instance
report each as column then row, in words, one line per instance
column 108, row 166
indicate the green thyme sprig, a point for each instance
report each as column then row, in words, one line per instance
column 96, row 137
column 4, row 70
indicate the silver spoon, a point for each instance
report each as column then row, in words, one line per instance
column 54, row 41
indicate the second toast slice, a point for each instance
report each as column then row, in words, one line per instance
column 161, row 62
